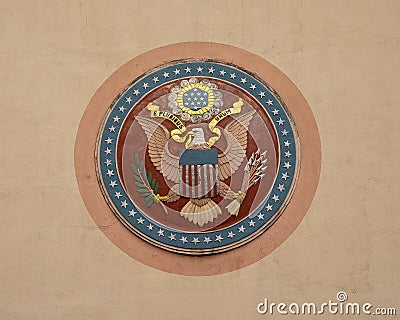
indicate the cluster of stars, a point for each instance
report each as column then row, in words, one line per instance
column 195, row 99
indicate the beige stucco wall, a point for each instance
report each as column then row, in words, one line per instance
column 342, row 55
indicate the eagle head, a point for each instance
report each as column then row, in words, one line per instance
column 198, row 139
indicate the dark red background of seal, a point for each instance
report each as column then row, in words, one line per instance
column 261, row 134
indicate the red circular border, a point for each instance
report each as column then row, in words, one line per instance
column 310, row 161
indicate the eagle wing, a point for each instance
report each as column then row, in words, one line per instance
column 236, row 136
column 158, row 137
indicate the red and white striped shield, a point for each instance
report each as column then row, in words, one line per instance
column 198, row 173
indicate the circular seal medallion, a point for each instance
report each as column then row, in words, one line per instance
column 196, row 155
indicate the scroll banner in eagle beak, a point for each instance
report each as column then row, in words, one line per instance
column 175, row 134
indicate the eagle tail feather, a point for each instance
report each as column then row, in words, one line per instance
column 201, row 215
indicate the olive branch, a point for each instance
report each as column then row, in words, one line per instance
column 148, row 187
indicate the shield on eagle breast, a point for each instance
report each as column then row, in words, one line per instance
column 198, row 173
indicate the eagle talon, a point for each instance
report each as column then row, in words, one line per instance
column 158, row 198
column 240, row 195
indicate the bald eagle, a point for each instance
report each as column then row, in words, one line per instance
column 200, row 210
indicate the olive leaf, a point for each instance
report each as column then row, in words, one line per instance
column 134, row 169
column 156, row 188
column 137, row 161
column 149, row 200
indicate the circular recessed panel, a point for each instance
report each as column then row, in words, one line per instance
column 197, row 155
